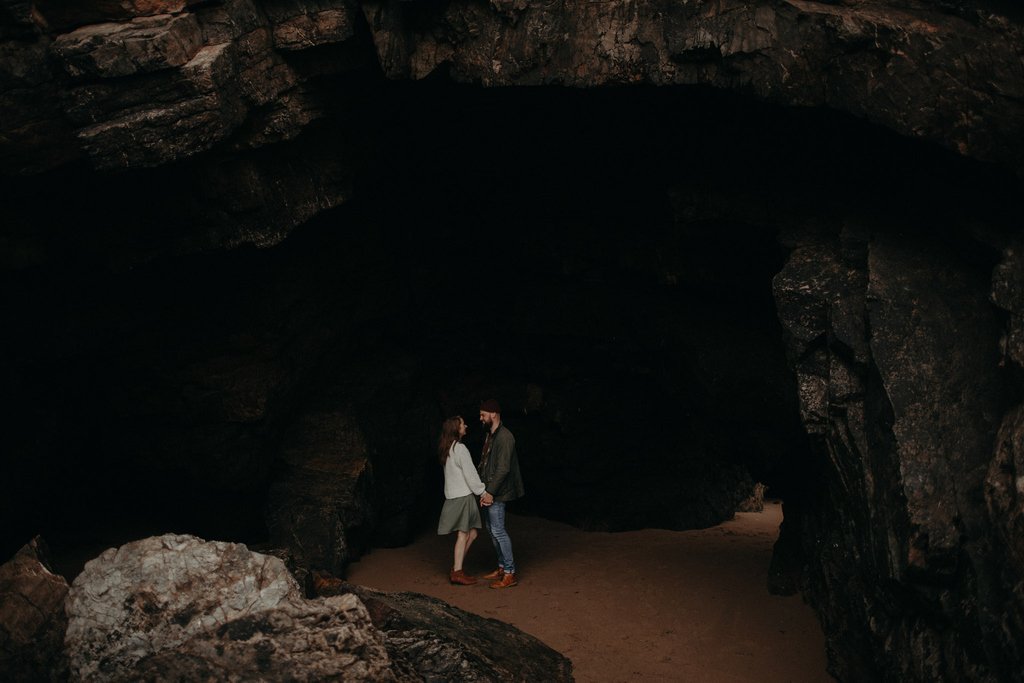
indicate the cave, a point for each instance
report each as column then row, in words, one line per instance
column 246, row 320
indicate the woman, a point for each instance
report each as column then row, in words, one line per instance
column 461, row 486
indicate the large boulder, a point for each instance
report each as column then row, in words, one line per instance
column 444, row 643
column 174, row 606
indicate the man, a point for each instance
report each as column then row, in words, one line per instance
column 499, row 471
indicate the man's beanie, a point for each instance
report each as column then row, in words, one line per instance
column 490, row 406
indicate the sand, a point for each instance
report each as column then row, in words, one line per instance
column 649, row 605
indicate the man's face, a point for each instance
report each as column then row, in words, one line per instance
column 486, row 418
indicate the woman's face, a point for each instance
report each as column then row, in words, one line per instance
column 462, row 428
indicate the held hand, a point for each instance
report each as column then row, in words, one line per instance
column 486, row 499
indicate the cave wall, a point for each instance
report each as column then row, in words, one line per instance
column 142, row 139
column 896, row 346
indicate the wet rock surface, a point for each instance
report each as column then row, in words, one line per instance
column 443, row 643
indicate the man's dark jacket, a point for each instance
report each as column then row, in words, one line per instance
column 499, row 467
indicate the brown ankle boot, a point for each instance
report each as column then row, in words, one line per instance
column 460, row 578
column 507, row 581
column 496, row 574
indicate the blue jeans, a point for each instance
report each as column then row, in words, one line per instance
column 494, row 517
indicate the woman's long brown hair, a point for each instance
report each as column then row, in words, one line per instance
column 449, row 435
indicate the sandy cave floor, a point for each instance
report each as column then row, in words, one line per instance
column 650, row 605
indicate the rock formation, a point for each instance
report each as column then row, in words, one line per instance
column 444, row 643
column 896, row 348
column 147, row 143
column 144, row 84
column 32, row 620
column 176, row 606
column 320, row 503
column 874, row 59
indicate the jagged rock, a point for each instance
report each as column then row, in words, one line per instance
column 444, row 643
column 301, row 24
column 933, row 341
column 877, row 60
column 32, row 619
column 166, row 116
column 866, row 58
column 59, row 15
column 201, row 80
column 318, row 506
column 173, row 607
column 895, row 351
column 149, row 83
column 138, row 46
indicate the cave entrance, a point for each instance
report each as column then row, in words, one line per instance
column 599, row 261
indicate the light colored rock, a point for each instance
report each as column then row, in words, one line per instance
column 331, row 639
column 175, row 607
column 152, row 595
column 141, row 45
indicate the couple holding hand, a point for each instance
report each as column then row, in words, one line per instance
column 496, row 480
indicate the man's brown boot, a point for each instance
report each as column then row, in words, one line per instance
column 460, row 578
column 496, row 574
column 507, row 581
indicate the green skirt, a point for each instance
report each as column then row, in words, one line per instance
column 459, row 514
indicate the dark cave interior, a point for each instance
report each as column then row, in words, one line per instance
column 599, row 261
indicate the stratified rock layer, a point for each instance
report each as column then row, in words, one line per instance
column 443, row 643
column 143, row 84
